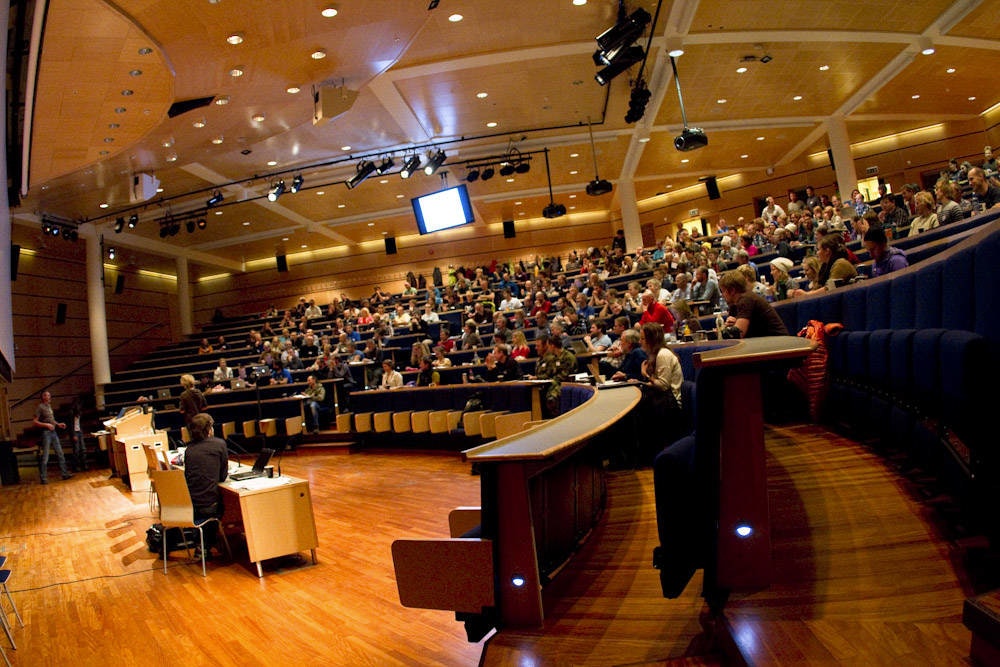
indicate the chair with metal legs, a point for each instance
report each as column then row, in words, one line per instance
column 176, row 511
column 4, row 577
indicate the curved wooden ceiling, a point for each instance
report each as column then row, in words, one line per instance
column 418, row 75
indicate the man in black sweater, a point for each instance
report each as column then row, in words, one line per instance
column 206, row 464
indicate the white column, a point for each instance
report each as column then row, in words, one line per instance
column 184, row 296
column 630, row 215
column 96, row 316
column 840, row 146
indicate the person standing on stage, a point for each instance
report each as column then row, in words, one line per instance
column 46, row 421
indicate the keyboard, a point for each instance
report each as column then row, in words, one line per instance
column 246, row 474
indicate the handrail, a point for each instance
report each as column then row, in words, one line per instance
column 79, row 368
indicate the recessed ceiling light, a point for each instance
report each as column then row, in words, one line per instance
column 914, row 97
column 385, row 233
column 257, row 118
column 291, row 90
column 721, row 100
column 222, row 100
column 760, row 138
column 455, row 18
column 371, row 224
column 572, row 208
column 345, row 148
column 644, row 140
column 797, row 98
column 235, row 38
column 217, row 140
column 200, row 123
column 127, row 93
column 972, row 98
column 246, row 223
column 950, row 70
column 741, row 70
column 518, row 203
column 383, row 180
column 572, row 196
column 400, row 196
column 329, row 12
column 303, row 246
column 685, row 161
column 318, row 54
column 135, row 72
column 272, row 163
column 579, row 3
column 104, row 205
column 145, row 51
column 482, row 95
column 492, row 123
column 574, row 155
column 161, row 190
column 284, row 238
column 172, row 157
column 236, row 71
column 744, row 156
column 823, row 68
column 341, row 205
column 574, row 172
column 218, row 212
column 320, row 193
column 510, row 180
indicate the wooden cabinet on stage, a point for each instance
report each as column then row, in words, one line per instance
column 128, row 434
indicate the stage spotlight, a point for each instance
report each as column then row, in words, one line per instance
column 111, row 253
column 522, row 167
column 175, row 227
column 473, row 175
column 386, row 164
column 119, row 224
column 163, row 231
column 55, row 230
column 434, row 162
column 189, row 225
column 133, row 220
column 70, row 234
column 276, row 191
column 215, row 199
column 622, row 62
column 623, row 34
column 487, row 173
column 202, row 223
column 410, row 166
column 507, row 169
column 297, row 183
column 365, row 169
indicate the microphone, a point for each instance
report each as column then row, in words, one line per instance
column 281, row 450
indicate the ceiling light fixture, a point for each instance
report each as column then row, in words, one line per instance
column 215, row 199
column 411, row 165
column 434, row 161
column 925, row 45
column 365, row 169
column 473, row 175
column 297, row 183
column 133, row 220
column 202, row 223
column 488, row 173
column 637, row 102
column 329, row 12
column 119, row 224
column 189, row 225
column 276, row 191
column 235, row 38
column 386, row 164
column 111, row 253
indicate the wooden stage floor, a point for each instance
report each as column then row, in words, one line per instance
column 866, row 574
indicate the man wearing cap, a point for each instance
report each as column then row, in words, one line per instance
column 783, row 284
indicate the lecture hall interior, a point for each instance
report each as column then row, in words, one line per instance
column 176, row 170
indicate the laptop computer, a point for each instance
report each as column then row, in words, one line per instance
column 163, row 393
column 237, row 383
column 258, row 467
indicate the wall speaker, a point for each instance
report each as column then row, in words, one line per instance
column 390, row 245
column 61, row 313
column 508, row 229
column 282, row 262
column 15, row 256
column 713, row 188
column 120, row 283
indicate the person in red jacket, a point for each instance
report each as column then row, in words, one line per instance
column 654, row 311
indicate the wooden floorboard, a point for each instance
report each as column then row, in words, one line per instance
column 866, row 574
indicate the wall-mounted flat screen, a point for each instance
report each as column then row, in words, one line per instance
column 443, row 209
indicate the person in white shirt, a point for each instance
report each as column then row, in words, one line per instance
column 391, row 378
column 313, row 311
column 772, row 211
column 222, row 372
column 510, row 302
column 429, row 316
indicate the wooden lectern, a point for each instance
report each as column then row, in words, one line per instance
column 128, row 434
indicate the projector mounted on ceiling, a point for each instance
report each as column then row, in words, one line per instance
column 554, row 210
column 690, row 138
column 598, row 187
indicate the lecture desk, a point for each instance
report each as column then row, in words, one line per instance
column 275, row 514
